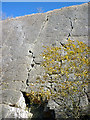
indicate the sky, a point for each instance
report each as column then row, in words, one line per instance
column 15, row 9
column 44, row 0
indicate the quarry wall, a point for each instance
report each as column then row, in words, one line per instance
column 22, row 43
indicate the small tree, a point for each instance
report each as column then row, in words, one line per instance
column 40, row 10
column 65, row 77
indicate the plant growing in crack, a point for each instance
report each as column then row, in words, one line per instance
column 65, row 78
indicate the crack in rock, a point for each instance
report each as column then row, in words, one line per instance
column 88, row 97
column 44, row 23
column 31, row 65
column 28, row 77
column 71, row 24
column 12, row 105
column 42, row 27
column 71, row 27
column 37, row 63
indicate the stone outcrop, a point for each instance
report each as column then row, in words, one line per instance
column 22, row 43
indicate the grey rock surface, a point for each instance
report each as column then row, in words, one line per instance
column 22, row 43
column 13, row 112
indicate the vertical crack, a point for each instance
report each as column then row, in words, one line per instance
column 31, row 66
column 42, row 26
column 34, row 62
column 27, row 81
column 87, row 95
column 45, row 22
column 71, row 24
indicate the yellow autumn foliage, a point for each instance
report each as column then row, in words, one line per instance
column 60, row 67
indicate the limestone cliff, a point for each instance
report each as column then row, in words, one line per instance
column 22, row 41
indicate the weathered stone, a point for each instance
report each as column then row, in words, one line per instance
column 22, row 43
column 12, row 97
column 14, row 85
column 13, row 112
column 13, row 105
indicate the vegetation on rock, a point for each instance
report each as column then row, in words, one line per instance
column 65, row 78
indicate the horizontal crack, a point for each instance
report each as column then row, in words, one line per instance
column 11, row 105
column 14, row 105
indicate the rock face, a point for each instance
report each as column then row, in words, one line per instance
column 22, row 43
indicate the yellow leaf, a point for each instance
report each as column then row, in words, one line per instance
column 27, row 94
column 72, row 52
column 66, row 57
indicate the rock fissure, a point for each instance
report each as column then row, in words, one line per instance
column 33, row 63
column 42, row 27
column 12, row 105
column 88, row 97
column 27, row 80
column 71, row 24
column 45, row 22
